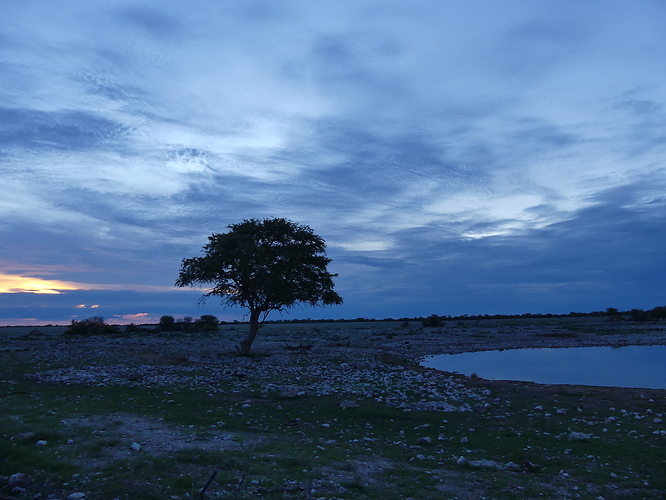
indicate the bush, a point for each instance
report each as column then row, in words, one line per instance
column 166, row 324
column 207, row 323
column 432, row 321
column 92, row 326
column 658, row 313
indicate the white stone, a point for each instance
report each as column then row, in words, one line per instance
column 464, row 440
column 462, row 460
column 76, row 496
column 484, row 463
column 136, row 446
column 41, row 442
column 18, row 478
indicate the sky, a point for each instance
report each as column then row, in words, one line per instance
column 477, row 157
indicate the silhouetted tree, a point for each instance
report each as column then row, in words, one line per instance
column 167, row 324
column 613, row 314
column 263, row 265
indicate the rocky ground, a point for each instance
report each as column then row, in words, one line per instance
column 320, row 412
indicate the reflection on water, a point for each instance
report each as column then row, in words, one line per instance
column 633, row 366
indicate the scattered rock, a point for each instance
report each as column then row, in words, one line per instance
column 135, row 447
column 528, row 466
column 424, row 440
column 289, row 392
column 19, row 477
column 41, row 442
column 485, row 463
column 579, row 436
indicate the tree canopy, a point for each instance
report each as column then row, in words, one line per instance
column 264, row 265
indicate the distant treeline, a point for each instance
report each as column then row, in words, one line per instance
column 658, row 313
column 209, row 323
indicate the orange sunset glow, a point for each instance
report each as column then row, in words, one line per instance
column 15, row 283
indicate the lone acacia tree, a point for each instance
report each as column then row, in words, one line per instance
column 263, row 265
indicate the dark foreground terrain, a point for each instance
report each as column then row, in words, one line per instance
column 155, row 416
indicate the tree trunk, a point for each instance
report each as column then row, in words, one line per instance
column 254, row 327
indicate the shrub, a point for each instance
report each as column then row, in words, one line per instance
column 166, row 324
column 92, row 326
column 207, row 323
column 432, row 321
column 185, row 325
column 658, row 313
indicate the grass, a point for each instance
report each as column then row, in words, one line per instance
column 266, row 445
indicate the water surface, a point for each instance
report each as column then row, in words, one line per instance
column 632, row 366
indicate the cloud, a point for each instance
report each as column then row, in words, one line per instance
column 133, row 317
column 445, row 152
column 12, row 283
column 70, row 130
column 366, row 246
